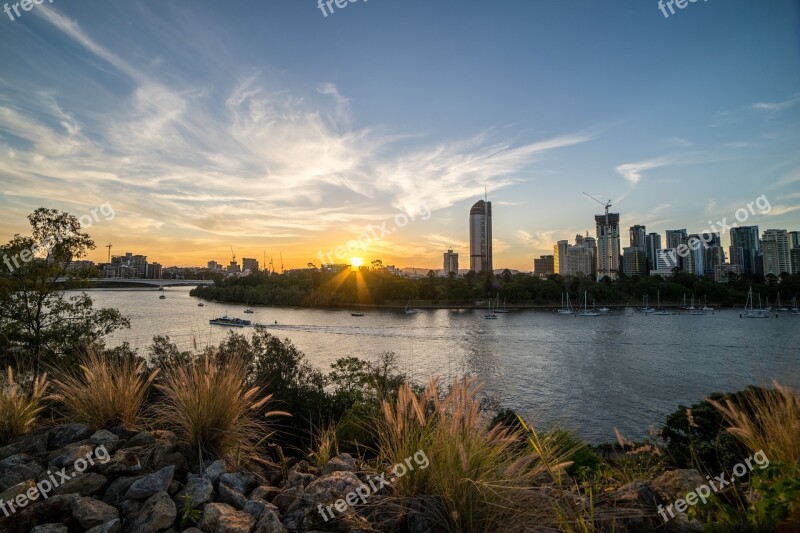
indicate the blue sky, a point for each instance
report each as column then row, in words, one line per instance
column 272, row 128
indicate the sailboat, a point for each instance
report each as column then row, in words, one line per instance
column 586, row 311
column 795, row 309
column 705, row 304
column 409, row 310
column 646, row 305
column 684, row 307
column 357, row 312
column 779, row 308
column 695, row 310
column 503, row 309
column 490, row 315
column 661, row 311
column 568, row 310
column 749, row 307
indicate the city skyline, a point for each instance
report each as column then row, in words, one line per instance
column 254, row 139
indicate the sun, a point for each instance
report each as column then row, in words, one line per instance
column 356, row 262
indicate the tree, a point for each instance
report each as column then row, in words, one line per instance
column 38, row 322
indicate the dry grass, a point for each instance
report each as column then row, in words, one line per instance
column 480, row 478
column 326, row 446
column 104, row 393
column 767, row 421
column 19, row 409
column 212, row 410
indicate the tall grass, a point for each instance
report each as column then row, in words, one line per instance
column 105, row 392
column 20, row 408
column 212, row 409
column 768, row 420
column 480, row 477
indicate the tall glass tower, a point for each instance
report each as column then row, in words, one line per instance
column 480, row 237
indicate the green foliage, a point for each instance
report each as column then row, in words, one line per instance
column 189, row 514
column 696, row 436
column 38, row 323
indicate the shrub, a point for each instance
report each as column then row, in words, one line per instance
column 479, row 478
column 212, row 409
column 106, row 392
column 19, row 409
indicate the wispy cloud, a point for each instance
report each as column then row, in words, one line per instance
column 634, row 172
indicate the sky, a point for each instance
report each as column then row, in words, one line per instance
column 276, row 130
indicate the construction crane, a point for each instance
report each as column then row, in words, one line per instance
column 607, row 205
column 233, row 254
column 109, row 245
column 282, row 270
column 271, row 265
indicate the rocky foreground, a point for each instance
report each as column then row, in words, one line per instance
column 141, row 483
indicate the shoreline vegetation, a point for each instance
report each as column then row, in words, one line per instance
column 375, row 287
column 249, row 437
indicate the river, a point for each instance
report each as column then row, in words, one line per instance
column 591, row 374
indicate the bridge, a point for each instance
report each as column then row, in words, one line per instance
column 151, row 282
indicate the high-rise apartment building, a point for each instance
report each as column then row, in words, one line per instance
column 634, row 261
column 775, row 249
column 652, row 243
column 794, row 240
column 249, row 264
column 608, row 249
column 745, row 248
column 544, row 266
column 450, row 263
column 674, row 238
column 638, row 236
column 480, row 237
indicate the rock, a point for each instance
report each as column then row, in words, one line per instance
column 29, row 444
column 92, row 513
column 327, row 489
column 257, row 508
column 290, row 499
column 124, row 432
column 241, row 482
column 158, row 513
column 16, row 469
column 65, row 434
column 114, row 493
column 124, row 461
column 20, row 488
column 636, row 507
column 676, row 484
column 222, row 518
column 147, row 486
column 341, row 463
column 269, row 523
column 214, row 471
column 50, row 511
column 87, row 484
column 145, row 438
column 199, row 490
column 129, row 507
column 265, row 492
column 295, row 521
column 298, row 478
column 231, row 496
column 106, row 439
column 50, row 528
column 115, row 526
column 66, row 457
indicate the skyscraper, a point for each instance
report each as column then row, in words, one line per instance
column 652, row 243
column 676, row 237
column 638, row 236
column 480, row 237
column 608, row 250
column 544, row 266
column 794, row 240
column 745, row 248
column 775, row 248
column 560, row 256
column 634, row 262
column 450, row 263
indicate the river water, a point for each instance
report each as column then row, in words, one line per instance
column 591, row 374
